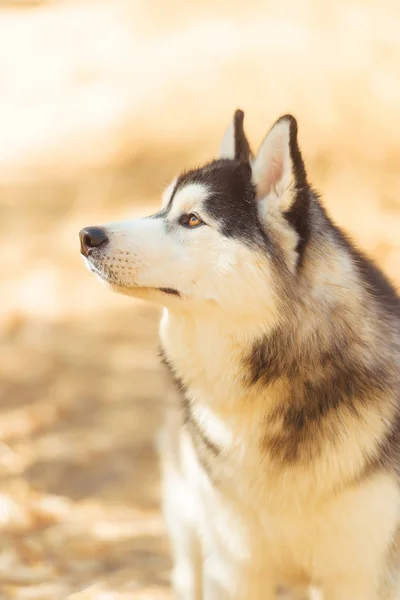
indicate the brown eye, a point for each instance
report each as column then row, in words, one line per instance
column 191, row 220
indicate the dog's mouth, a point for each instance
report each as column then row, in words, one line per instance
column 109, row 277
column 169, row 291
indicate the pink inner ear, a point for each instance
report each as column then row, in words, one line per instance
column 273, row 160
column 274, row 171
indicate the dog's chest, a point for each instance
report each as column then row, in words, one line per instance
column 226, row 418
column 228, row 421
column 244, row 506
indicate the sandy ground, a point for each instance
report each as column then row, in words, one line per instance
column 79, row 481
column 101, row 104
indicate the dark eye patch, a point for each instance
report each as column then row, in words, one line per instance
column 231, row 201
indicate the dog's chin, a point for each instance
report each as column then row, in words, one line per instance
column 163, row 296
column 155, row 294
column 152, row 294
column 144, row 293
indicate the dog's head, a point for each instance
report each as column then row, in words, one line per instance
column 227, row 236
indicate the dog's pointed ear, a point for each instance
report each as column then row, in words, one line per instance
column 234, row 143
column 278, row 169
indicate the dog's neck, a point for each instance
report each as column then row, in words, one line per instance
column 224, row 359
column 206, row 353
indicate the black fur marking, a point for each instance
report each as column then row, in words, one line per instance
column 322, row 382
column 169, row 291
column 242, row 146
column 298, row 217
column 375, row 281
column 313, row 401
column 298, row 214
column 327, row 375
column 177, row 381
column 300, row 175
column 203, row 446
column 232, row 200
column 196, row 429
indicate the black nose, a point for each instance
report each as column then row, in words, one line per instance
column 92, row 237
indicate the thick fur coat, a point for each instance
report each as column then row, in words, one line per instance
column 280, row 453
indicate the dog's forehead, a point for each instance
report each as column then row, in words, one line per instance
column 217, row 180
column 186, row 197
column 215, row 176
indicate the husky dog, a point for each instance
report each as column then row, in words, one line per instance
column 281, row 466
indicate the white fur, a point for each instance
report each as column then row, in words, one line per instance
column 181, row 512
column 167, row 194
column 218, row 431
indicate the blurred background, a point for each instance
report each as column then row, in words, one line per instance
column 102, row 102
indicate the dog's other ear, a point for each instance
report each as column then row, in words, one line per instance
column 234, row 143
column 278, row 170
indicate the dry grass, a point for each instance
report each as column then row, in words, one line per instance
column 100, row 104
